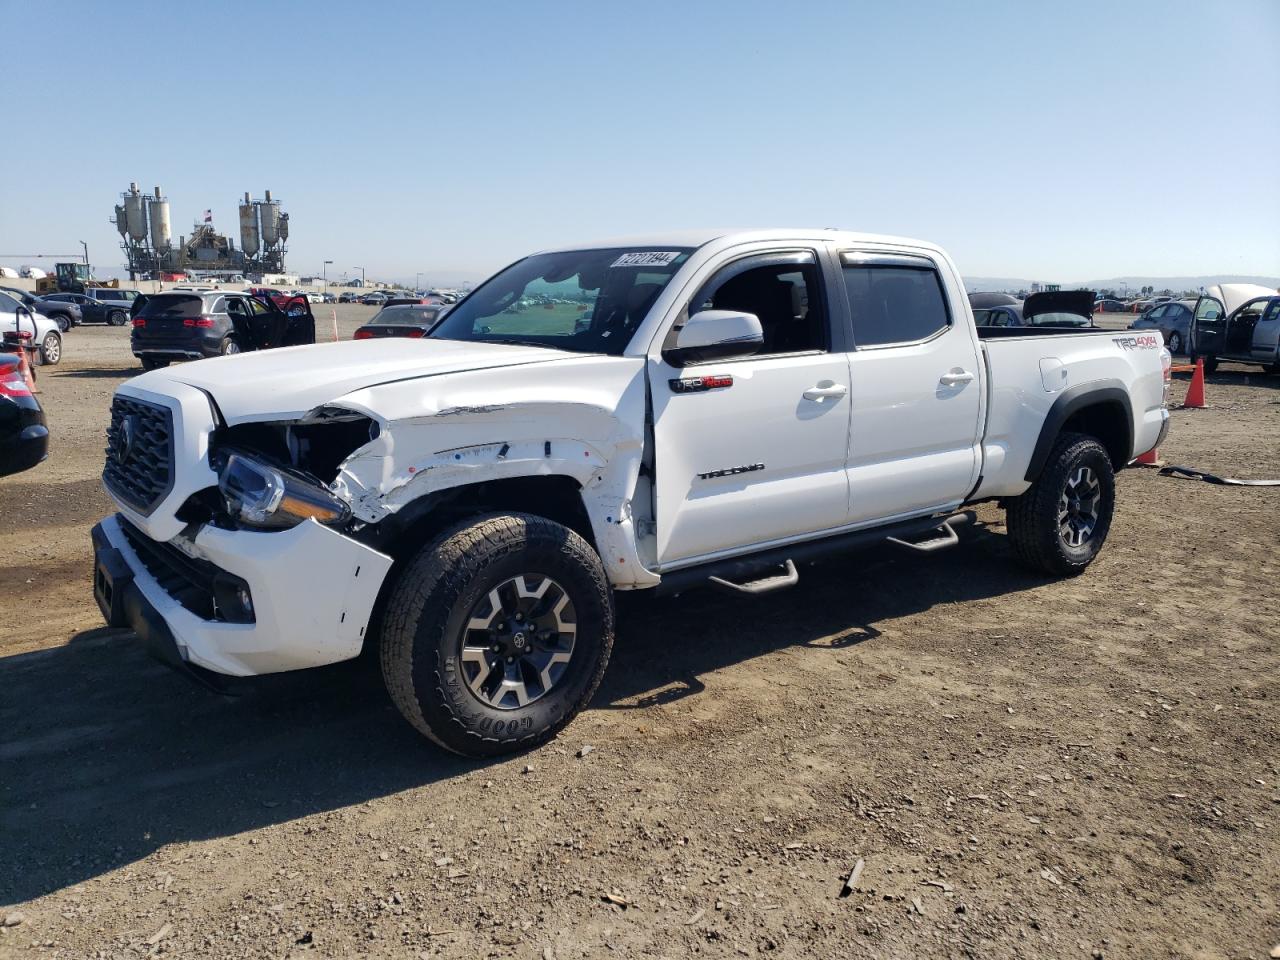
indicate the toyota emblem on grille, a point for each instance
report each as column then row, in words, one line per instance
column 125, row 437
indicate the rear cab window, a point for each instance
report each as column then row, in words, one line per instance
column 172, row 306
column 894, row 299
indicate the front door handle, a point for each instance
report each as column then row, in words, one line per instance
column 824, row 389
column 955, row 375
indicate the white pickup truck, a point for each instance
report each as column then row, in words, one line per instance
column 651, row 414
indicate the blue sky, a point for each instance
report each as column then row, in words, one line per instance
column 1065, row 141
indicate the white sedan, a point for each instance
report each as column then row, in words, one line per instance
column 45, row 331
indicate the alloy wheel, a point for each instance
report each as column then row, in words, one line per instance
column 1078, row 507
column 517, row 641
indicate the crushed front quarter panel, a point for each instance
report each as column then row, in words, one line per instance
column 581, row 417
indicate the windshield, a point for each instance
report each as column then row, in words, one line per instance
column 589, row 301
column 404, row 313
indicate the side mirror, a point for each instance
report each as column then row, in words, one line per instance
column 715, row 335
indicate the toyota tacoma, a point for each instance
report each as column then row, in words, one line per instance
column 642, row 415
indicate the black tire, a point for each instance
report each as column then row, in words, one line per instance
column 117, row 318
column 228, row 346
column 1175, row 342
column 426, row 623
column 51, row 348
column 62, row 320
column 150, row 363
column 1035, row 518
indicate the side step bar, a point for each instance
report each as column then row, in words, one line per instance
column 742, row 575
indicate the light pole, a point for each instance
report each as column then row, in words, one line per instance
column 324, row 274
column 361, row 269
column 417, row 282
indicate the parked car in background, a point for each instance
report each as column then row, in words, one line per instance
column 1060, row 308
column 1172, row 319
column 328, row 297
column 348, row 296
column 188, row 326
column 1238, row 322
column 65, row 315
column 24, row 436
column 98, row 307
column 1108, row 305
column 402, row 320
column 17, row 316
column 375, row 299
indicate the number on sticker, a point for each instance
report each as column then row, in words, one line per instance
column 646, row 259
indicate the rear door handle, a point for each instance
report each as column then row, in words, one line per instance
column 824, row 389
column 954, row 376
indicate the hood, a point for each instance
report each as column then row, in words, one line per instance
column 1078, row 302
column 1235, row 295
column 287, row 382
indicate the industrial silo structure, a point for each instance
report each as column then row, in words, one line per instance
column 249, row 238
column 161, row 234
column 135, row 214
column 270, row 214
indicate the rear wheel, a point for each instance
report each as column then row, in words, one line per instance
column 228, row 346
column 1060, row 523
column 497, row 634
column 117, row 318
column 51, row 348
column 1175, row 342
column 63, row 321
column 150, row 363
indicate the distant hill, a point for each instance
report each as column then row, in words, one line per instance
column 989, row 284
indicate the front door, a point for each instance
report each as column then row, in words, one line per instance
column 752, row 450
column 916, row 390
column 1208, row 328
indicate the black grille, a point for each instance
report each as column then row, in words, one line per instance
column 186, row 579
column 139, row 467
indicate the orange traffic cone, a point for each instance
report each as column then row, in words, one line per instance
column 28, row 371
column 1195, row 392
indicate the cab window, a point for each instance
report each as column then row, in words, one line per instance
column 894, row 304
column 785, row 296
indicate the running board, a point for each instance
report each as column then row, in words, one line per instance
column 789, row 578
column 743, row 575
column 944, row 535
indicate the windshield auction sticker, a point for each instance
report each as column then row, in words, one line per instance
column 652, row 259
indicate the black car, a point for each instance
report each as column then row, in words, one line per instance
column 65, row 315
column 190, row 325
column 402, row 320
column 106, row 305
column 24, row 438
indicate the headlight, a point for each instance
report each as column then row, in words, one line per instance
column 265, row 496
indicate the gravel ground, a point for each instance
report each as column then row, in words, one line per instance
column 1024, row 768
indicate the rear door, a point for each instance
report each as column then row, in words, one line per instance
column 752, row 450
column 916, row 387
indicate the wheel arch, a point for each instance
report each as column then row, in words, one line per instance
column 1101, row 409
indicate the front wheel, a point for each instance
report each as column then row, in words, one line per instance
column 497, row 634
column 1060, row 523
column 1175, row 342
column 117, row 318
column 51, row 348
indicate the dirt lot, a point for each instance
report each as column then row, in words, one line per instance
column 1026, row 768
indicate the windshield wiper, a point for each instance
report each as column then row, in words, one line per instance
column 516, row 342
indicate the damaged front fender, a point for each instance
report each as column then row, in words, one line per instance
column 581, row 418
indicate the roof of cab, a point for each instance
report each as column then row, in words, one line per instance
column 733, row 237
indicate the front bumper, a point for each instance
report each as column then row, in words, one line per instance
column 313, row 593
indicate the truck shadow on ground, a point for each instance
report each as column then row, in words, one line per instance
column 108, row 756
